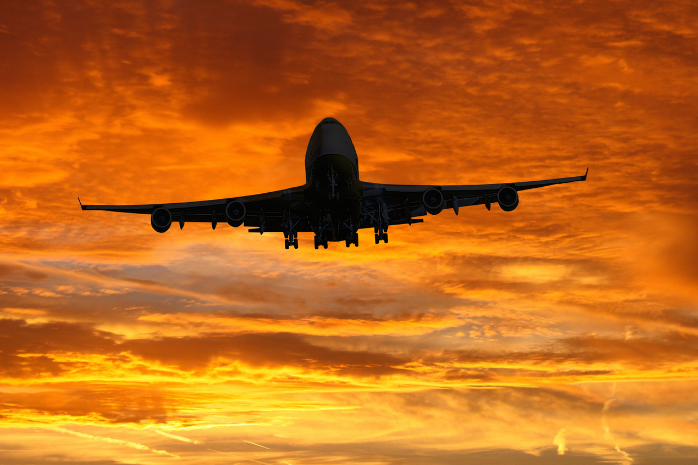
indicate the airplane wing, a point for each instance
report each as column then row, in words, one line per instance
column 266, row 211
column 400, row 203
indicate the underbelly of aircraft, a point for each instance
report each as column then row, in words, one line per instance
column 330, row 206
column 334, row 197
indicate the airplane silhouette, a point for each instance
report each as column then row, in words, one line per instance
column 333, row 203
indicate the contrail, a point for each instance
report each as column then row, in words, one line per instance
column 238, row 457
column 133, row 445
column 255, row 444
column 561, row 442
column 193, row 441
column 179, row 438
column 626, row 457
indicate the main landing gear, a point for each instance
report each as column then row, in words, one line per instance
column 319, row 241
column 381, row 234
column 352, row 240
column 292, row 240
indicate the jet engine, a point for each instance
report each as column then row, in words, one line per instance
column 235, row 213
column 508, row 198
column 161, row 219
column 433, row 201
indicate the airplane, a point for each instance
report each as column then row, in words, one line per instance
column 333, row 203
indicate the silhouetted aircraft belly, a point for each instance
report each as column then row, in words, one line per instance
column 333, row 204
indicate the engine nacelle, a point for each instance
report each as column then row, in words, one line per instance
column 433, row 201
column 161, row 219
column 508, row 198
column 235, row 213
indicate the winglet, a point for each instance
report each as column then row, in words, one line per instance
column 81, row 205
column 584, row 178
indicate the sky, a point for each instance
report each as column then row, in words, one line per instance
column 564, row 332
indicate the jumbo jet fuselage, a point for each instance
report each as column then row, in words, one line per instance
column 334, row 191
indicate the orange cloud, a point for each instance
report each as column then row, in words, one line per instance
column 404, row 325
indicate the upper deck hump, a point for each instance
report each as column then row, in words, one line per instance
column 330, row 137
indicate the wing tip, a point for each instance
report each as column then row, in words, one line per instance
column 81, row 205
column 584, row 178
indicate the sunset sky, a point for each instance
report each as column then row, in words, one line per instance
column 564, row 332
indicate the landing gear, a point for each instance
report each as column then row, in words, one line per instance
column 290, row 230
column 320, row 242
column 292, row 240
column 352, row 239
column 380, row 224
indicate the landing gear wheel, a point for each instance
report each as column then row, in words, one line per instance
column 286, row 244
column 356, row 240
column 385, row 237
column 295, row 243
column 317, row 243
column 378, row 239
column 347, row 242
column 324, row 243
